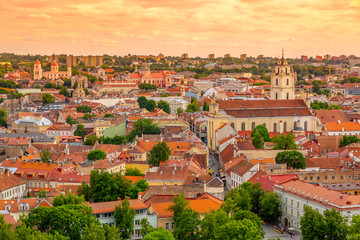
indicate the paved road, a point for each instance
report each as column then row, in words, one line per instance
column 214, row 165
column 270, row 233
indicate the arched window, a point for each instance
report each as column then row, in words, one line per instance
column 243, row 126
column 274, row 129
column 286, row 70
column 287, row 81
column 253, row 126
column 276, row 96
column 287, row 95
column 232, row 125
column 305, row 126
column 294, row 124
column 285, row 127
column 264, row 124
column 277, row 81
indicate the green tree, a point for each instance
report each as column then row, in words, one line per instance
column 284, row 142
column 90, row 140
column 150, row 105
column 179, row 110
column 80, row 131
column 354, row 229
column 3, row 122
column 193, row 106
column 146, row 227
column 49, row 85
column 159, row 234
column 293, row 159
column 147, row 86
column 96, row 155
column 242, row 230
column 93, row 231
column 104, row 187
column 70, row 120
column 47, row 98
column 263, row 132
column 186, row 220
column 133, row 172
column 45, row 155
column 238, row 199
column 124, row 218
column 83, row 109
column 67, row 220
column 164, row 106
column 3, row 113
column 212, row 222
column 336, row 226
column 312, row 225
column 5, row 229
column 142, row 101
column 109, row 115
column 257, row 140
column 64, row 91
column 88, row 116
column 346, row 140
column 68, row 199
column 205, row 107
column 270, row 207
column 41, row 194
column 160, row 152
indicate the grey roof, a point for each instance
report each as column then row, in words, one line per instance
column 35, row 137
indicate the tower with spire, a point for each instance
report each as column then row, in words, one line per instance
column 283, row 80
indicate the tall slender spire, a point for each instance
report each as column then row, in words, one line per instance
column 283, row 53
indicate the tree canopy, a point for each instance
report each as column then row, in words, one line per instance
column 104, row 187
column 83, row 109
column 160, row 152
column 263, row 132
column 96, row 155
column 124, row 218
column 284, row 142
column 293, row 159
column 47, row 98
column 346, row 140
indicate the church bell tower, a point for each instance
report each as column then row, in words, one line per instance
column 283, row 80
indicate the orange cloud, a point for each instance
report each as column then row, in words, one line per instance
column 173, row 27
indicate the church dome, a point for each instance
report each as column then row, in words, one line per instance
column 54, row 64
column 37, row 62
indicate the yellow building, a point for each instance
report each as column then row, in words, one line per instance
column 31, row 124
column 100, row 126
column 244, row 115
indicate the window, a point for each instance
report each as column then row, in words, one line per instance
column 287, row 80
column 243, row 126
column 333, row 177
column 277, row 82
column 137, row 222
column 297, row 204
column 287, row 95
column 292, row 202
column 285, row 127
column 232, row 125
column 342, row 177
column 172, row 225
column 167, row 226
column 276, row 96
column 274, row 128
column 305, row 126
column 253, row 126
column 349, row 176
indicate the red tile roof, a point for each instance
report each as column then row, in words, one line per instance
column 106, row 207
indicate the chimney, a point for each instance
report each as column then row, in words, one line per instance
column 173, row 172
column 339, row 122
column 161, row 172
column 174, row 167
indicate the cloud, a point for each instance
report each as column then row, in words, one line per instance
column 172, row 26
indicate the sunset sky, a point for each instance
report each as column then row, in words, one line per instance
column 173, row 27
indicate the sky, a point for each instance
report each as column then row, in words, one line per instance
column 173, row 27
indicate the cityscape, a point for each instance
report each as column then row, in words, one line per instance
column 181, row 126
